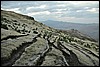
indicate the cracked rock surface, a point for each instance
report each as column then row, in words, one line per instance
column 26, row 42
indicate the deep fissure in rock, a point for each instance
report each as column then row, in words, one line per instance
column 12, row 37
column 17, row 53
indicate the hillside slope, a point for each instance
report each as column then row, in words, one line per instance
column 26, row 42
column 91, row 29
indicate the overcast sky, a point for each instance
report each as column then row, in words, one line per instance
column 67, row 11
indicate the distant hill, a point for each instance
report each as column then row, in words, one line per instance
column 91, row 30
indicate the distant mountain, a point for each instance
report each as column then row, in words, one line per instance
column 91, row 30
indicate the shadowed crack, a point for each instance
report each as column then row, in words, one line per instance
column 72, row 59
column 17, row 53
column 42, row 56
column 64, row 53
column 39, row 60
column 86, row 54
column 74, row 55
column 90, row 52
column 82, row 52
column 13, row 37
column 65, row 56
column 88, row 57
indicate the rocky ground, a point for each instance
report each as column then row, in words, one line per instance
column 26, row 42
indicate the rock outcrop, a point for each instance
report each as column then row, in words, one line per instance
column 26, row 42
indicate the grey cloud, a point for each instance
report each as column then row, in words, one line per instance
column 52, row 6
column 83, row 14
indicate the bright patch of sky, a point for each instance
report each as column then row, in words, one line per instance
column 66, row 11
